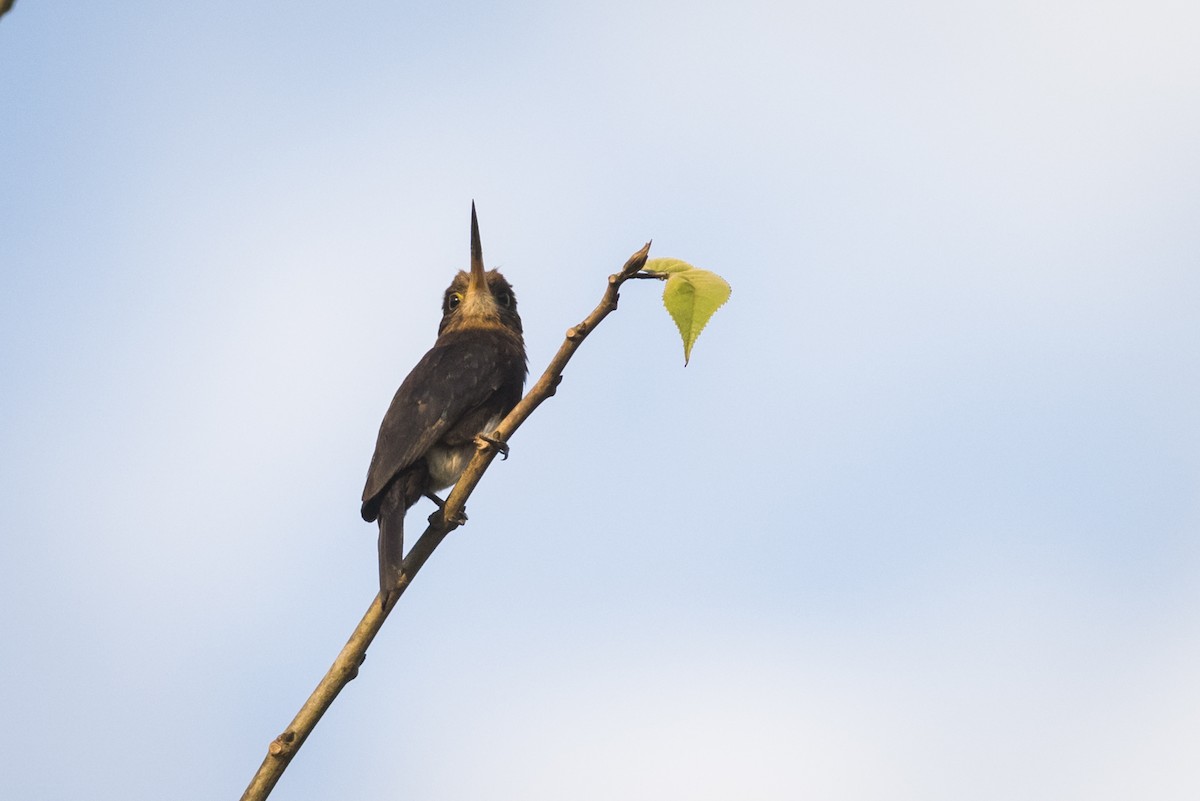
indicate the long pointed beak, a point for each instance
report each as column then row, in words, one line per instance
column 477, row 281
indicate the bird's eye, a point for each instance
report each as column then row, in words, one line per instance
column 453, row 299
column 504, row 299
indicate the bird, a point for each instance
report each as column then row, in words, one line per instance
column 457, row 394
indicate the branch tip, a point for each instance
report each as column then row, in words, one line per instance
column 636, row 262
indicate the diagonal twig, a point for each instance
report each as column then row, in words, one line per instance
column 345, row 667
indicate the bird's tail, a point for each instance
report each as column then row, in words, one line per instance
column 391, row 549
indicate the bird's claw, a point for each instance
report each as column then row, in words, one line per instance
column 438, row 518
column 485, row 441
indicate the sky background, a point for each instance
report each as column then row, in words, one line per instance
column 919, row 521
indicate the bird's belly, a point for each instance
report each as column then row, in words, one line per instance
column 447, row 462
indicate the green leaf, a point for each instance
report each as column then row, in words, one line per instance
column 666, row 266
column 691, row 296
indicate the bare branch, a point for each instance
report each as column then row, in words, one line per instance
column 345, row 667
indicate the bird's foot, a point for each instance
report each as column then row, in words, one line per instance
column 483, row 441
column 439, row 518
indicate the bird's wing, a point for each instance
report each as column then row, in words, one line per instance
column 455, row 376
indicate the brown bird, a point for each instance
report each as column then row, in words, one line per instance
column 460, row 390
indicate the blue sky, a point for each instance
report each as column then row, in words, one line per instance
column 919, row 520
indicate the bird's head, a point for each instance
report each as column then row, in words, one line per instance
column 479, row 298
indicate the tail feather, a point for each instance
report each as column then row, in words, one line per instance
column 403, row 491
column 391, row 540
column 391, row 553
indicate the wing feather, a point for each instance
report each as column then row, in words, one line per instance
column 457, row 374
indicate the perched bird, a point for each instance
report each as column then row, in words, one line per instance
column 460, row 390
